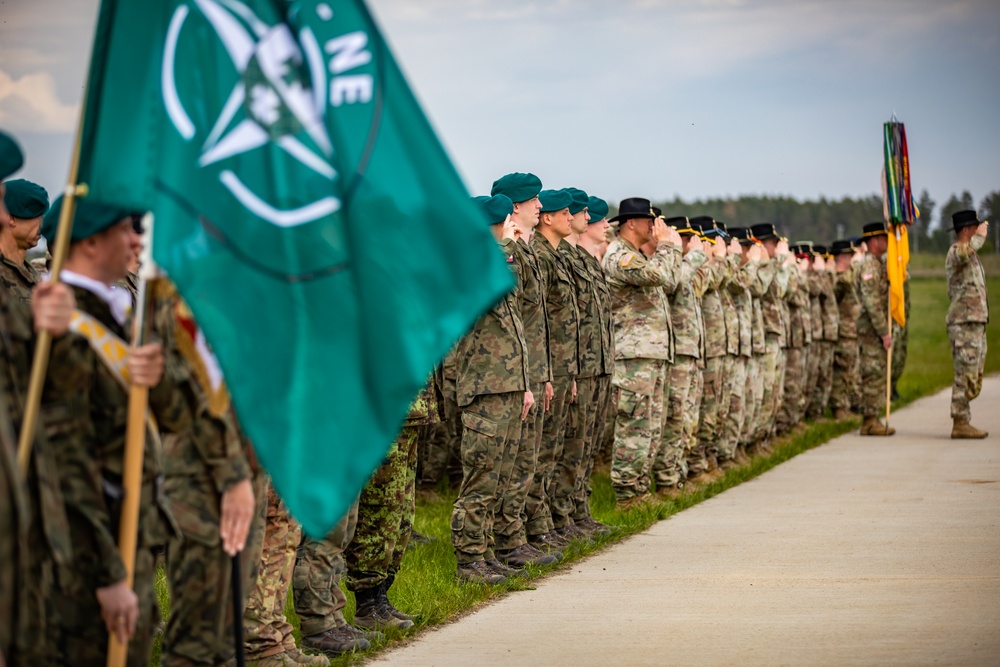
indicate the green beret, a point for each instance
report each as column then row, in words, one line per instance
column 580, row 200
column 496, row 208
column 519, row 187
column 11, row 157
column 90, row 217
column 25, row 200
column 598, row 209
column 554, row 200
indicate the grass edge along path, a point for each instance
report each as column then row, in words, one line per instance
column 628, row 523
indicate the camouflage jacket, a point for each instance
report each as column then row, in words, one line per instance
column 739, row 287
column 966, row 286
column 828, row 303
column 560, row 307
column 712, row 312
column 729, row 274
column 758, row 289
column 774, row 297
column 492, row 358
column 800, row 312
column 202, row 462
column 639, row 287
column 685, row 305
column 848, row 303
column 18, row 279
column 815, row 304
column 873, row 288
column 14, row 519
column 90, row 456
column 588, row 308
column 607, row 365
column 531, row 290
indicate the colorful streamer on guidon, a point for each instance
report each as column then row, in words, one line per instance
column 899, row 197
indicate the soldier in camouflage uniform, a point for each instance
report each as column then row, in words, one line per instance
column 968, row 316
column 495, row 399
column 36, row 542
column 582, row 412
column 564, row 347
column 797, row 355
column 386, row 509
column 439, row 444
column 90, row 460
column 772, row 371
column 216, row 497
column 643, row 341
column 589, row 248
column 745, row 274
column 509, row 530
column 846, row 356
column 681, row 399
column 723, row 446
column 824, row 348
column 874, row 330
column 26, row 203
column 755, row 384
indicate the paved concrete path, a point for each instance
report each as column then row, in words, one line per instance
column 863, row 551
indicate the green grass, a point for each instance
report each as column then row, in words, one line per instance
column 927, row 265
column 426, row 584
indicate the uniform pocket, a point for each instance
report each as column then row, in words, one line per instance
column 195, row 523
column 478, row 441
column 628, row 402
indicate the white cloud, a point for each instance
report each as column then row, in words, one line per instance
column 30, row 103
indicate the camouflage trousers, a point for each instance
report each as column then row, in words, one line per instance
column 846, row 373
column 968, row 350
column 606, row 449
column 199, row 574
column 491, row 435
column 819, row 393
column 793, row 406
column 712, row 393
column 873, row 371
column 319, row 566
column 753, row 399
column 732, row 425
column 266, row 631
column 385, row 515
column 681, row 404
column 509, row 522
column 772, row 375
column 900, row 338
column 538, row 507
column 602, row 401
column 84, row 637
column 572, row 464
column 440, row 446
column 639, row 423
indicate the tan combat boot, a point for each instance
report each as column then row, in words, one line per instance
column 963, row 430
column 873, row 426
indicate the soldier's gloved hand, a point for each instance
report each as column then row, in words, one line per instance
column 549, row 393
column 237, row 515
column 145, row 365
column 52, row 305
column 887, row 340
column 529, row 401
column 119, row 609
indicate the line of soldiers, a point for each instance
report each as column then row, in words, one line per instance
column 691, row 343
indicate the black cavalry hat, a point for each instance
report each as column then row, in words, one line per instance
column 842, row 247
column 741, row 234
column 633, row 207
column 765, row 231
column 874, row 229
column 964, row 219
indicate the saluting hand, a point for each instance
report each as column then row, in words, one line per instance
column 754, row 253
column 529, row 401
column 734, row 247
column 511, row 230
column 238, row 504
column 672, row 235
column 819, row 263
column 719, row 249
column 695, row 244
column 983, row 228
column 858, row 256
column 782, row 248
column 145, row 365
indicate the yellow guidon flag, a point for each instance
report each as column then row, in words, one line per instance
column 899, row 210
column 897, row 259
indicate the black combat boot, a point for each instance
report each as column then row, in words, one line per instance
column 374, row 612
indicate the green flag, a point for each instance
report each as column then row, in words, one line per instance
column 306, row 211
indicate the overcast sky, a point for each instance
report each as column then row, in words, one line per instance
column 626, row 98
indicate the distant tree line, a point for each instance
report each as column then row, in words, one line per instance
column 825, row 220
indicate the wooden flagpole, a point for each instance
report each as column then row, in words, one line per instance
column 135, row 438
column 43, row 343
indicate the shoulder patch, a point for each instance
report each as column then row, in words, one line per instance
column 867, row 276
column 625, row 260
column 510, row 259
